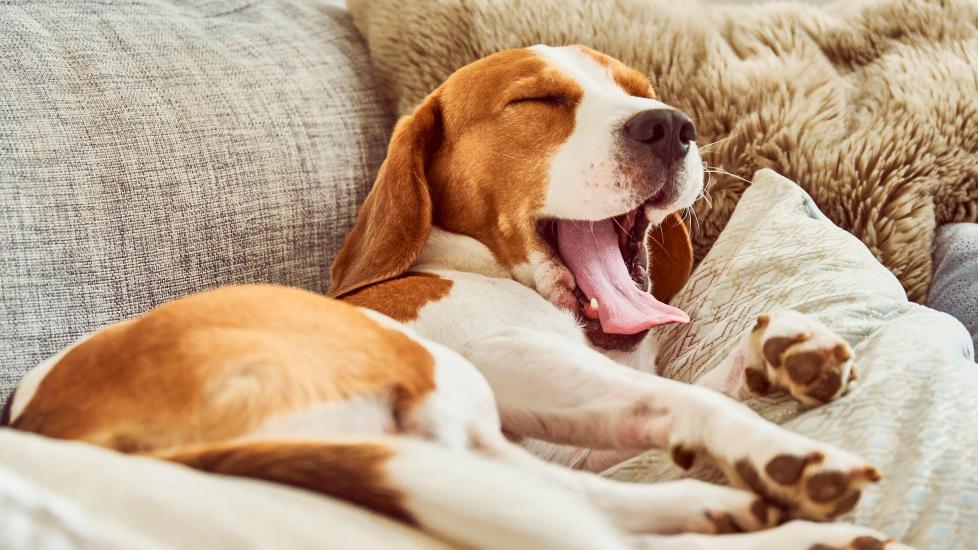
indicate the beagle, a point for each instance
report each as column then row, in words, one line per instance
column 502, row 277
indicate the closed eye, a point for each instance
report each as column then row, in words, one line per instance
column 551, row 100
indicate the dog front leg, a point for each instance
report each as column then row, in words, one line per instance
column 550, row 387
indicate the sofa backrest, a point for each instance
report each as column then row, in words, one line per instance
column 151, row 149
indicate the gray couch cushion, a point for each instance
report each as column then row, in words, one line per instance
column 150, row 149
column 955, row 286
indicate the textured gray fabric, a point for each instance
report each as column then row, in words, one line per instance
column 149, row 149
column 954, row 289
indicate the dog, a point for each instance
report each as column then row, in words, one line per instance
column 495, row 297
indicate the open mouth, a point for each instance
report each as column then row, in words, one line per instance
column 609, row 261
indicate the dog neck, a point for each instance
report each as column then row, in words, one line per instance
column 449, row 251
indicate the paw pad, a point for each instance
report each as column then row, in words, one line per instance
column 757, row 381
column 787, row 469
column 827, row 486
column 775, row 347
column 804, row 366
column 845, row 505
column 828, row 385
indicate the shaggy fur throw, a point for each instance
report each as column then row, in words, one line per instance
column 871, row 106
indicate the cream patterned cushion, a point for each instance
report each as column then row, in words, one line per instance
column 913, row 411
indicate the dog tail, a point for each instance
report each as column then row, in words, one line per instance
column 457, row 495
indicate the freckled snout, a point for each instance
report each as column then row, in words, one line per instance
column 666, row 133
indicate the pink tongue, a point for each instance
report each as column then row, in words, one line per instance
column 590, row 250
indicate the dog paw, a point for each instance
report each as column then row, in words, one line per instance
column 805, row 479
column 722, row 510
column 801, row 356
column 809, row 480
column 803, row 485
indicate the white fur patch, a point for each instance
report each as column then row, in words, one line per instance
column 446, row 250
column 352, row 416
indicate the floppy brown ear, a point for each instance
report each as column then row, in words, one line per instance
column 671, row 257
column 395, row 220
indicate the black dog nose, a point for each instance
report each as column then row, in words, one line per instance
column 666, row 131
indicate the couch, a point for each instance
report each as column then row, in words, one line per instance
column 153, row 148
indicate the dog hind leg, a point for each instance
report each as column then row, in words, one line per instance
column 457, row 495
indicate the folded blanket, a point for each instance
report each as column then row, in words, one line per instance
column 871, row 106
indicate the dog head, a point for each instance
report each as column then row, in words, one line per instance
column 562, row 162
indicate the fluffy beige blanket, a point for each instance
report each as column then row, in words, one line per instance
column 871, row 106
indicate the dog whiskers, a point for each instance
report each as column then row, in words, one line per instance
column 721, row 171
column 703, row 148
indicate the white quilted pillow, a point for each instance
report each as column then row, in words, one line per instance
column 914, row 410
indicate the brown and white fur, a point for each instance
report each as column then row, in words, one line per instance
column 462, row 323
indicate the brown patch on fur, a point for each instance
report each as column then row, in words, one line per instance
column 761, row 510
column 217, row 364
column 671, row 257
column 401, row 298
column 757, row 381
column 5, row 415
column 354, row 472
column 683, row 457
column 761, row 323
column 464, row 161
column 628, row 79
